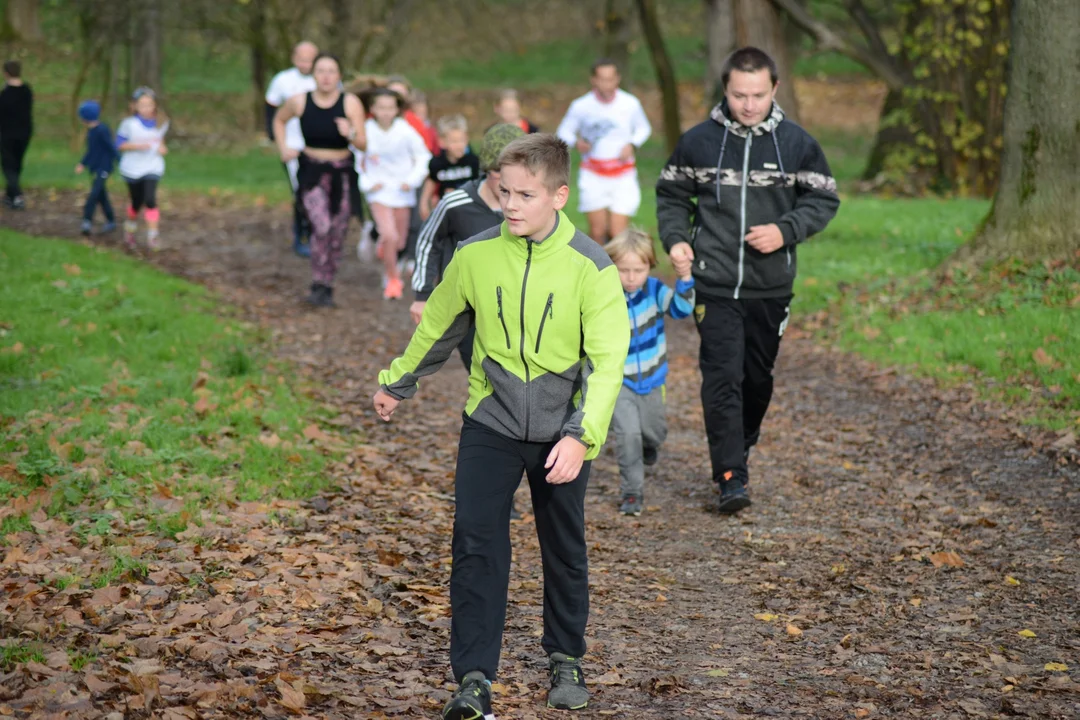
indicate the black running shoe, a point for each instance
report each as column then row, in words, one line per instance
column 568, row 690
column 650, row 455
column 472, row 701
column 733, row 495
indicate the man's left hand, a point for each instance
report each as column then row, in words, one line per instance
column 765, row 238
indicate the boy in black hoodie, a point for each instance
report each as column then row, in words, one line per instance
column 16, row 129
column 739, row 193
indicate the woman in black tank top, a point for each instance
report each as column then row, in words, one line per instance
column 331, row 120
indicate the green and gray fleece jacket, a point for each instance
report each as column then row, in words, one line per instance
column 723, row 179
column 551, row 335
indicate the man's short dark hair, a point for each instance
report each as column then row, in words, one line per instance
column 13, row 68
column 748, row 59
column 604, row 62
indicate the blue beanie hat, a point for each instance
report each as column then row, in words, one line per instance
column 89, row 110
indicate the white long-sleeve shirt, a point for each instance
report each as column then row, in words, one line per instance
column 608, row 127
column 393, row 157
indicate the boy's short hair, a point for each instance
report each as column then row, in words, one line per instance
column 748, row 59
column 632, row 240
column 449, row 123
column 539, row 153
column 13, row 68
column 507, row 94
column 604, row 62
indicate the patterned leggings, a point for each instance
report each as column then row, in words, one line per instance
column 328, row 230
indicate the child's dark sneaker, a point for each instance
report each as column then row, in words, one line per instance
column 85, row 228
column 567, row 683
column 631, row 505
column 472, row 701
column 321, row 296
column 107, row 228
column 650, row 455
column 733, row 495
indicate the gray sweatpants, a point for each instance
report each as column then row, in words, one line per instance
column 639, row 422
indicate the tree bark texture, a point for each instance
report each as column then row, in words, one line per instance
column 758, row 23
column 146, row 64
column 1036, row 212
column 665, row 73
column 719, row 42
column 23, row 20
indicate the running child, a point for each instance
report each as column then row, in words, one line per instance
column 551, row 339
column 141, row 142
column 394, row 165
column 607, row 126
column 508, row 110
column 452, row 167
column 640, row 420
column 99, row 159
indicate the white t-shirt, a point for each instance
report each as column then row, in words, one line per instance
column 393, row 156
column 286, row 84
column 135, row 164
column 608, row 127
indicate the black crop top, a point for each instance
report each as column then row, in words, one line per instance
column 317, row 124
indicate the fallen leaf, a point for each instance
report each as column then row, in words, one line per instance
column 1010, row 580
column 1041, row 357
column 203, row 405
column 1026, row 633
column 270, row 440
column 951, row 559
column 862, row 712
column 312, row 432
column 72, row 269
column 765, row 617
column 291, row 698
column 793, row 630
column 718, row 672
column 1056, row 667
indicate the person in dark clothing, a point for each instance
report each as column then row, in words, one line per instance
column 99, row 160
column 462, row 213
column 739, row 193
column 16, row 129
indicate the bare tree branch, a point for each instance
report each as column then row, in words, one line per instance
column 876, row 59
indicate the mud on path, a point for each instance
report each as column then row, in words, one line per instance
column 834, row 596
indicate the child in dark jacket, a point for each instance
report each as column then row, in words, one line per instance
column 640, row 419
column 99, row 160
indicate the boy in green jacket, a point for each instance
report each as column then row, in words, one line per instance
column 551, row 340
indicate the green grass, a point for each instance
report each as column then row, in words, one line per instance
column 252, row 172
column 13, row 653
column 124, row 394
column 1013, row 329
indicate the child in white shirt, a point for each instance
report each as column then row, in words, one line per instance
column 392, row 167
column 141, row 142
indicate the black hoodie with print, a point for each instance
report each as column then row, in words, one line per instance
column 774, row 172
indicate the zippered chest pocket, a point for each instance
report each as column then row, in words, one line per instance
column 502, row 314
column 549, row 312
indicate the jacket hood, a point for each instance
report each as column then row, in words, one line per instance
column 720, row 114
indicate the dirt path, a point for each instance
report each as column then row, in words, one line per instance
column 831, row 598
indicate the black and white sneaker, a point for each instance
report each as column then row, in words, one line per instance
column 472, row 701
column 733, row 495
column 632, row 505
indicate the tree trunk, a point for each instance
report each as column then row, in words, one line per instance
column 665, row 73
column 1036, row 212
column 720, row 42
column 148, row 37
column 891, row 135
column 22, row 20
column 618, row 32
column 258, row 51
column 758, row 23
column 340, row 26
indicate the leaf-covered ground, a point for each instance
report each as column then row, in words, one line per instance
column 909, row 554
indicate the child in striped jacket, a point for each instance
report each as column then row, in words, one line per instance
column 640, row 419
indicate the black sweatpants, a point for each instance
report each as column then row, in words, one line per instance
column 99, row 195
column 12, row 152
column 740, row 340
column 489, row 469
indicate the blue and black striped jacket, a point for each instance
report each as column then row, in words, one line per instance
column 646, row 363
